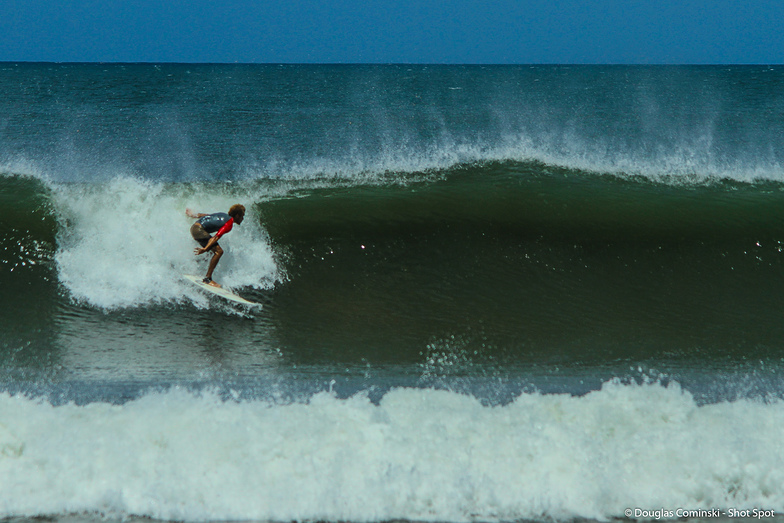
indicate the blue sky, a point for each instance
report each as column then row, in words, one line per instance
column 397, row 31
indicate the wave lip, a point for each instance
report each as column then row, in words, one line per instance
column 419, row 454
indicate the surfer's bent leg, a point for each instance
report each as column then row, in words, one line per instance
column 203, row 237
column 217, row 253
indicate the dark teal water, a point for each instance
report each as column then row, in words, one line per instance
column 474, row 271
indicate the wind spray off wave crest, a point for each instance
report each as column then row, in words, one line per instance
column 125, row 243
column 271, row 122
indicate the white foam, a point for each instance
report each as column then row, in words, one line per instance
column 126, row 243
column 418, row 455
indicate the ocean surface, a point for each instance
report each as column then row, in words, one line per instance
column 501, row 293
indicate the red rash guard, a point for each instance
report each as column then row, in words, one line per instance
column 223, row 230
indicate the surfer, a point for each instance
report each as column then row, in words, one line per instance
column 219, row 223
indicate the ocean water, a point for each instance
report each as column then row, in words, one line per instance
column 497, row 293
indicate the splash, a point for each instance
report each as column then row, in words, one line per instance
column 125, row 243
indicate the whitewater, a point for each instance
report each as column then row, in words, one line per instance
column 421, row 455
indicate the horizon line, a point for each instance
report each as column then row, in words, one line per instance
column 481, row 64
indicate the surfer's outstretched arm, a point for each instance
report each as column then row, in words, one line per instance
column 190, row 214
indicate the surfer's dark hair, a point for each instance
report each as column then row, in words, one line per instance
column 237, row 209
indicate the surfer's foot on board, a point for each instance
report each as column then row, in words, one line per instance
column 210, row 281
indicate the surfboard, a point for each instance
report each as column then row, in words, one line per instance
column 219, row 291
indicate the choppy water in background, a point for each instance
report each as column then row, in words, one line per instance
column 488, row 293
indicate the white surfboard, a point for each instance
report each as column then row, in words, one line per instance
column 220, row 291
